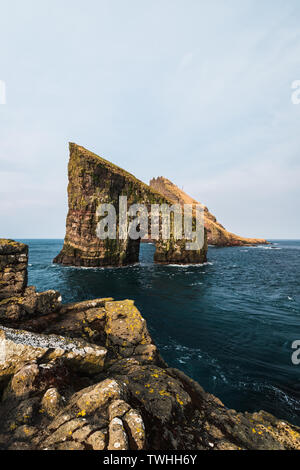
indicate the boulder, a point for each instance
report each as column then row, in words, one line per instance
column 17, row 347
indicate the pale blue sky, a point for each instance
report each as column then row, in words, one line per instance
column 197, row 91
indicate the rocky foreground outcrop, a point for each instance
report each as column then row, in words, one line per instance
column 94, row 181
column 216, row 233
column 88, row 375
column 13, row 268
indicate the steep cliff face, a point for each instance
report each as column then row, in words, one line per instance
column 17, row 300
column 13, row 268
column 216, row 233
column 88, row 376
column 94, row 181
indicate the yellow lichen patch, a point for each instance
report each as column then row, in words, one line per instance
column 178, row 399
column 89, row 331
column 163, row 393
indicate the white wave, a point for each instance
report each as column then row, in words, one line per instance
column 208, row 263
column 93, row 268
column 268, row 247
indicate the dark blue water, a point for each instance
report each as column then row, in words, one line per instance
column 228, row 324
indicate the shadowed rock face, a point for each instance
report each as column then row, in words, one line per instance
column 88, row 376
column 94, row 181
column 13, row 268
column 216, row 233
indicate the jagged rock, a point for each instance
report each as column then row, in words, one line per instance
column 51, row 402
column 13, row 268
column 85, row 305
column 97, row 396
column 94, row 181
column 117, row 409
column 117, row 436
column 97, row 440
column 10, row 310
column 126, row 332
column 29, row 304
column 19, row 347
column 25, row 432
column 22, row 382
column 64, row 432
column 216, row 233
column 162, row 397
column 17, row 301
column 67, row 392
column 73, row 445
column 134, row 423
column 47, row 302
column 160, row 409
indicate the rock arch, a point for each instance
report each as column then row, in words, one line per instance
column 93, row 181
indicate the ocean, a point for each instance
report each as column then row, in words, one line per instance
column 229, row 324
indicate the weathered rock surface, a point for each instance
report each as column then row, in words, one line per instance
column 94, row 181
column 13, row 268
column 29, row 303
column 19, row 346
column 216, row 233
column 87, row 376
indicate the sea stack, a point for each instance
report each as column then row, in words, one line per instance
column 94, row 181
column 216, row 234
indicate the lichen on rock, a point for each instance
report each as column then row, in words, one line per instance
column 65, row 388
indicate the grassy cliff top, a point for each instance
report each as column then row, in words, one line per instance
column 116, row 170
